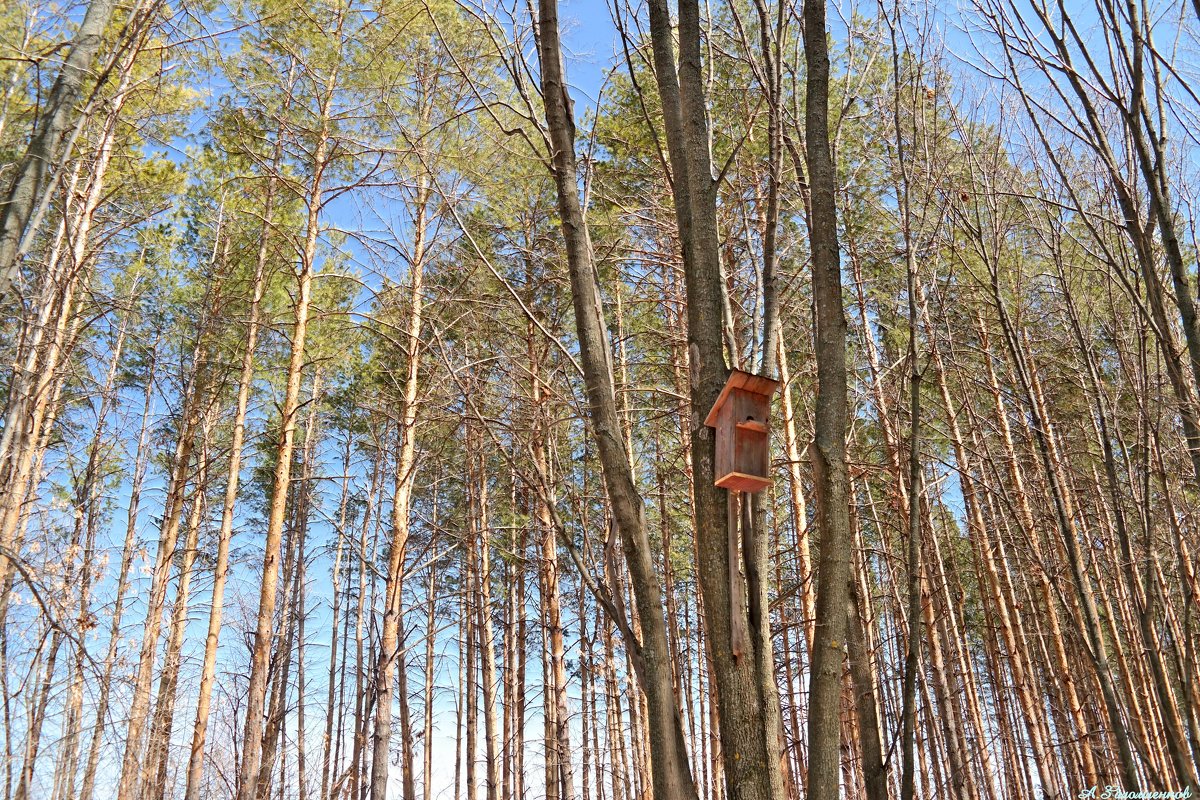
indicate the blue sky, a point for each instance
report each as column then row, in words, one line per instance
column 590, row 38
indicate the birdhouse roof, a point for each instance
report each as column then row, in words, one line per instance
column 747, row 382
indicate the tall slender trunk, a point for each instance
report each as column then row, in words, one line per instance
column 557, row 737
column 40, row 703
column 154, row 767
column 1025, row 519
column 194, row 396
column 27, row 410
column 32, row 397
column 828, row 451
column 301, row 678
column 487, row 641
column 247, row 783
column 88, row 786
column 470, row 686
column 362, row 695
column 333, row 704
column 401, row 505
column 88, row 514
column 1143, row 596
column 430, row 636
column 980, row 532
column 912, row 655
column 874, row 769
column 299, row 504
column 672, row 776
column 208, row 672
column 1097, row 648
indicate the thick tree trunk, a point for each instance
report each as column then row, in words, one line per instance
column 745, row 682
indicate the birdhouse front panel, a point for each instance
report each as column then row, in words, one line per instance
column 741, row 417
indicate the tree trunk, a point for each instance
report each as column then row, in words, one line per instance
column 194, row 395
column 195, row 768
column 154, row 767
column 745, row 686
column 247, row 784
column 828, row 451
column 45, row 147
column 88, row 514
column 1097, row 647
column 487, row 640
column 401, row 503
column 88, row 786
column 672, row 777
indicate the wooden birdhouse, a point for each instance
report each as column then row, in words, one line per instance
column 741, row 417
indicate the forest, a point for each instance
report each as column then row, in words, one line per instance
column 648, row 399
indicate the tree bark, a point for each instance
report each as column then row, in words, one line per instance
column 671, row 774
column 195, row 768
column 401, row 505
column 828, row 451
column 745, row 682
column 45, row 147
column 247, row 784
